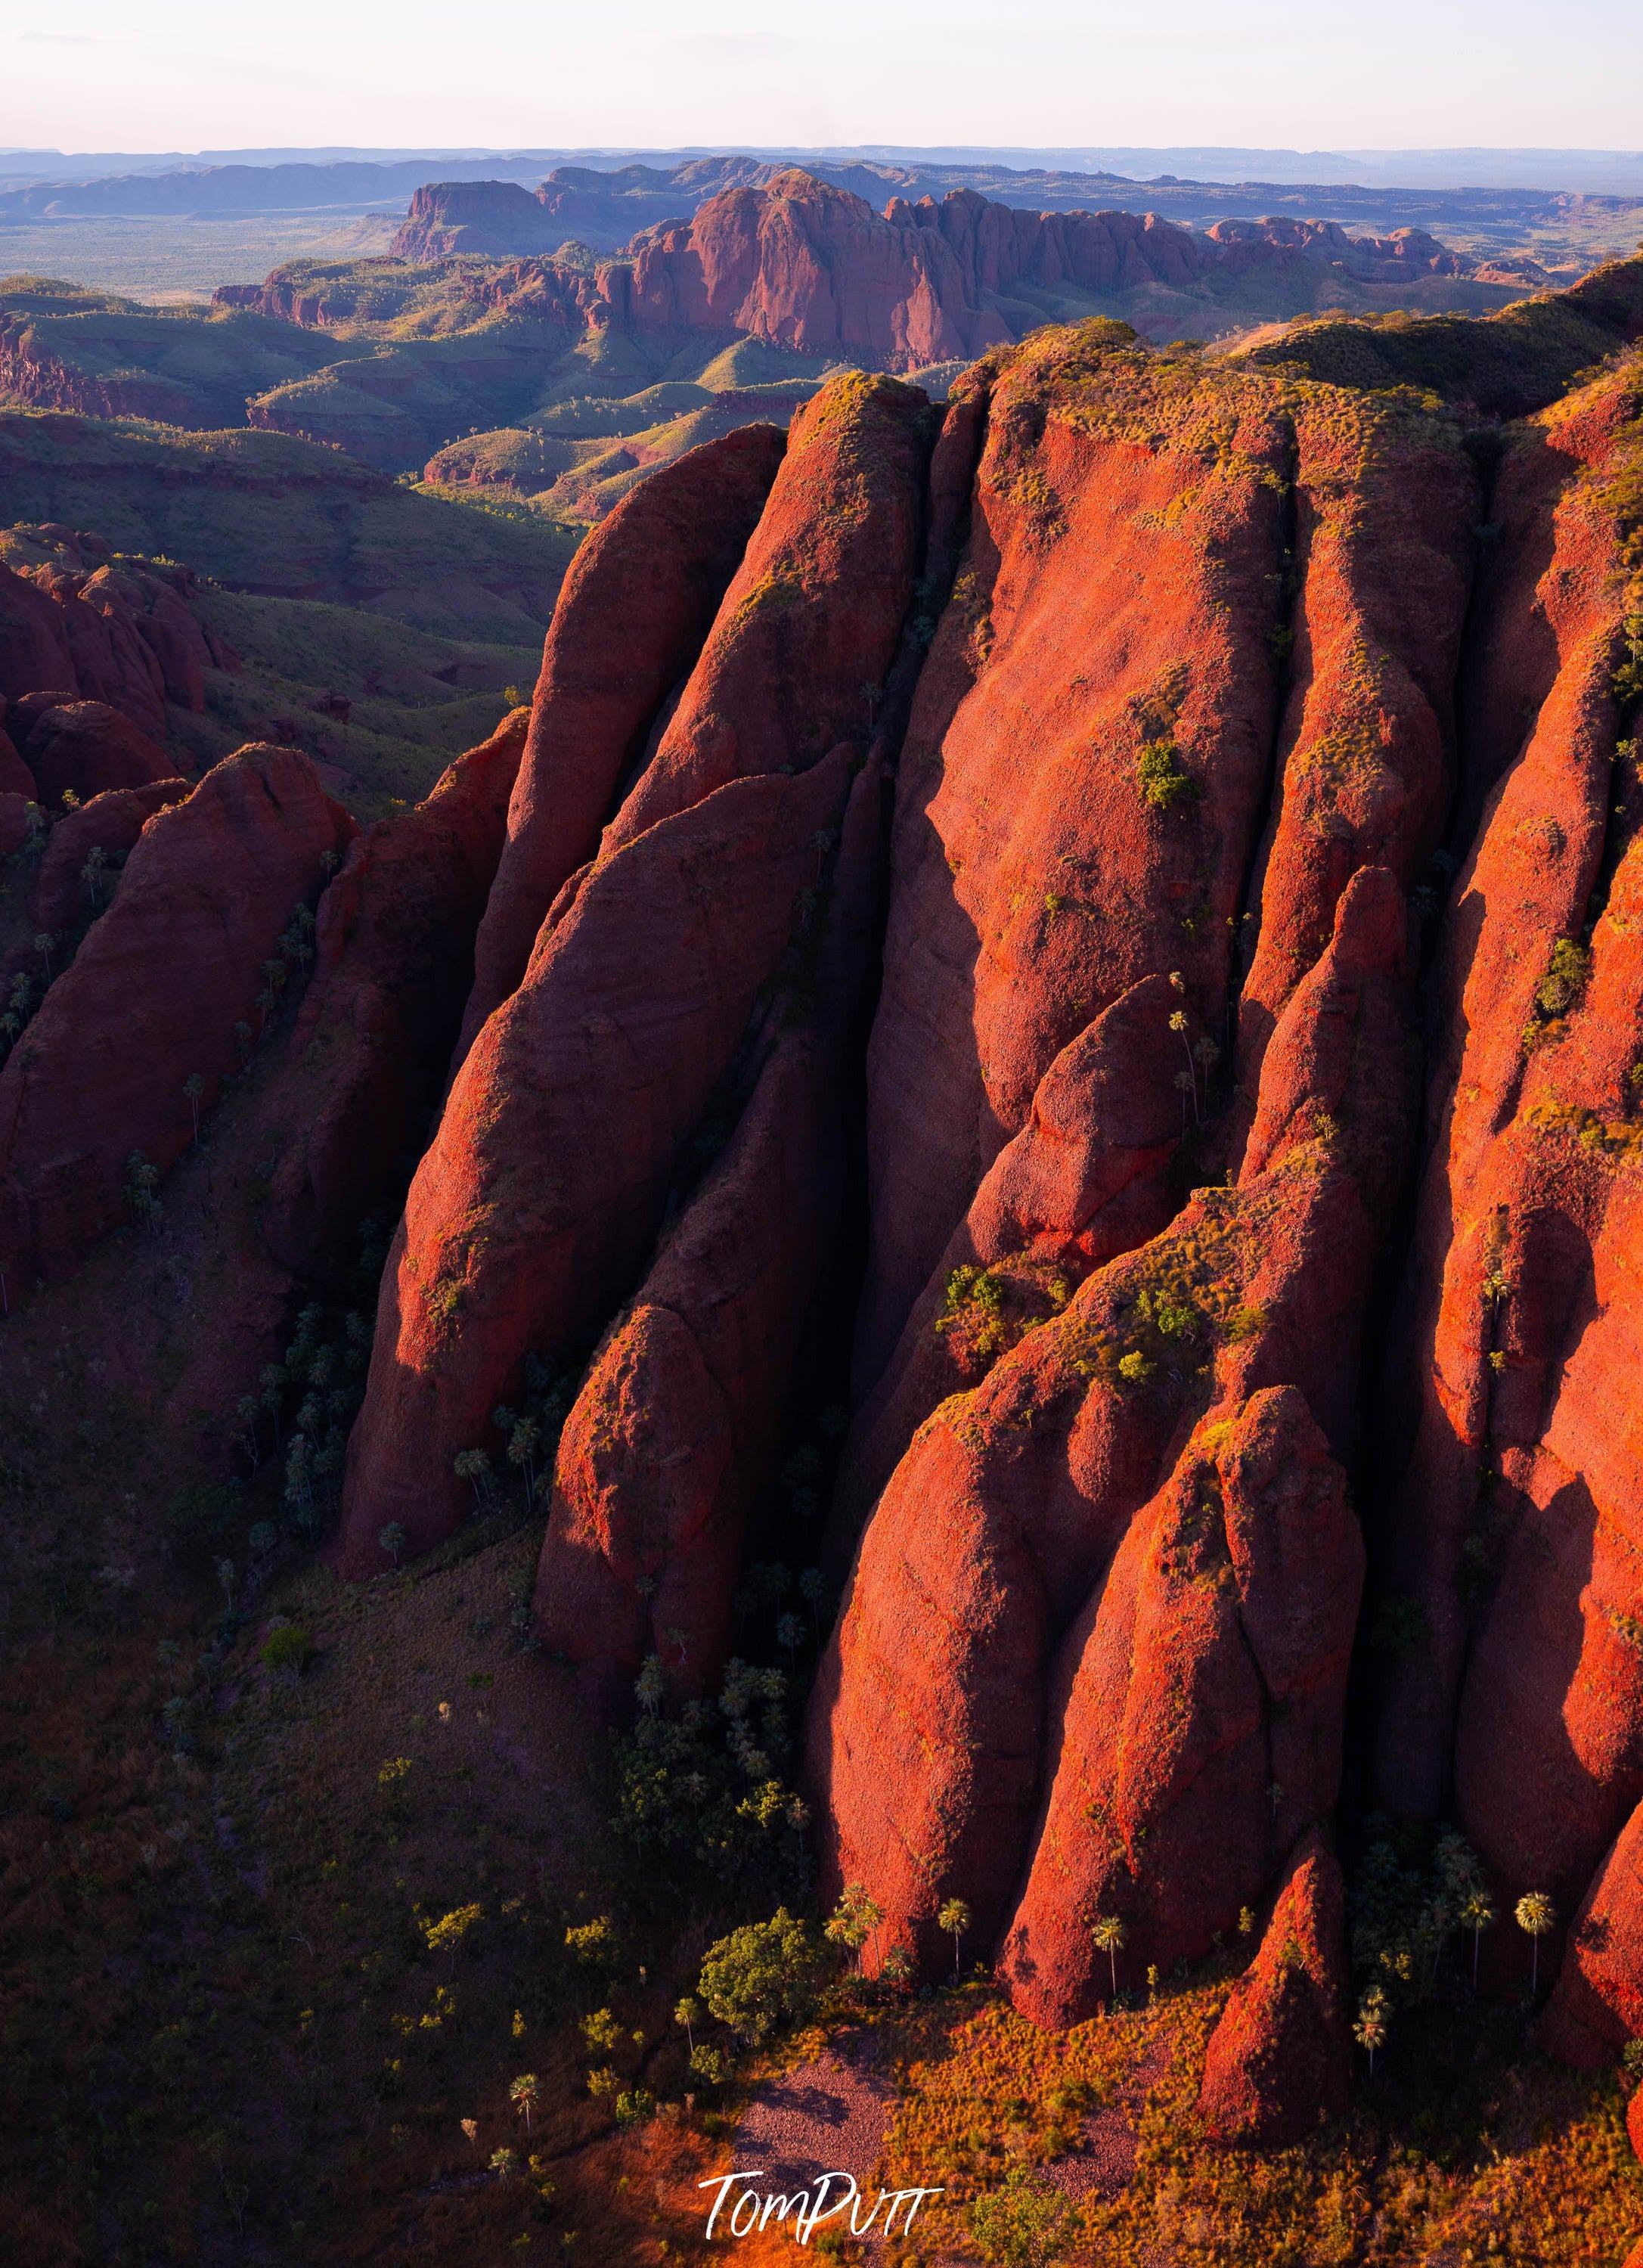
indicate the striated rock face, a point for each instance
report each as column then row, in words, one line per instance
column 797, row 657
column 1195, row 681
column 394, row 957
column 526, row 1220
column 1516, row 1532
column 631, row 618
column 1386, row 502
column 1279, row 2058
column 1035, row 877
column 110, row 823
column 678, row 1425
column 152, row 998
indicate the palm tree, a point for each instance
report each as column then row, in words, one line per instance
column 1370, row 2031
column 1109, row 1935
column 1478, row 1915
column 955, row 1918
column 393, row 1540
column 1178, row 1023
column 525, row 2093
column 1535, row 1914
column 687, row 2014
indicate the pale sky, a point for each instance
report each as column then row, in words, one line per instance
column 1325, row 74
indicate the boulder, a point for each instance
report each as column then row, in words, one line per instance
column 152, row 998
column 1279, row 2060
column 629, row 622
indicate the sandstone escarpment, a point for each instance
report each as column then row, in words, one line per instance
column 1194, row 681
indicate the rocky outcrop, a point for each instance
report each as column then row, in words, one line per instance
column 85, row 749
column 152, row 999
column 631, row 618
column 1202, row 1725
column 99, row 834
column 1027, row 1592
column 1088, row 1176
column 1194, row 681
column 392, row 964
column 123, row 632
column 1598, row 2004
column 1279, row 2058
column 798, row 258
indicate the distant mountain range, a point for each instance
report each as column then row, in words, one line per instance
column 1617, row 172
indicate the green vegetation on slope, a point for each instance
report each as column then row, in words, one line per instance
column 268, row 513
column 1503, row 365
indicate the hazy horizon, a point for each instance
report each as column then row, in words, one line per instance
column 1005, row 73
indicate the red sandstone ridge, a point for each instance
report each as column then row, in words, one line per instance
column 1087, row 1178
column 85, row 749
column 798, row 655
column 153, row 997
column 1112, row 601
column 392, row 959
column 678, row 1425
column 1279, row 2058
column 527, row 1218
column 1386, row 504
column 1125, row 1333
column 629, row 624
column 1598, row 2003
column 806, row 263
column 1516, row 1529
